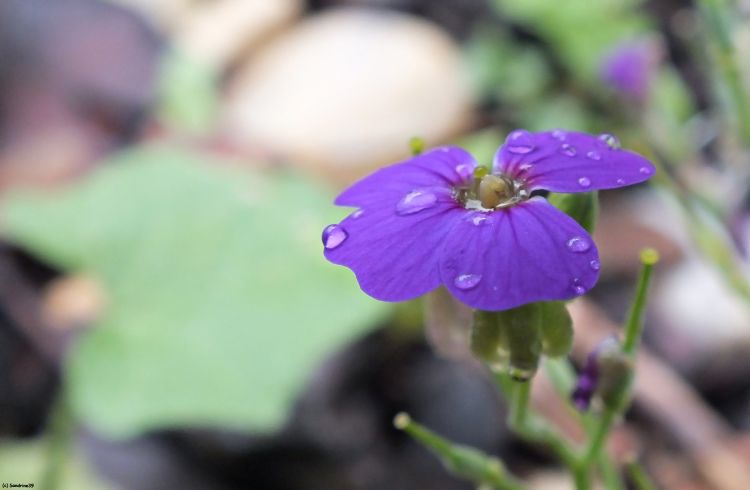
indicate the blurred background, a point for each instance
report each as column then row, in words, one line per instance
column 167, row 319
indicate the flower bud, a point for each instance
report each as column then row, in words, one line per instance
column 605, row 376
column 521, row 327
column 556, row 329
column 488, row 341
column 582, row 207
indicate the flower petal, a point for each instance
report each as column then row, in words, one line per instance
column 526, row 253
column 394, row 256
column 446, row 166
column 566, row 161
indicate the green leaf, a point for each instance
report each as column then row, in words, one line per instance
column 220, row 301
column 188, row 97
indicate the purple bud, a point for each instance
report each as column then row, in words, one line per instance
column 588, row 379
column 629, row 68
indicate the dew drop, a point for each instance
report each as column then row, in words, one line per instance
column 594, row 155
column 525, row 167
column 620, row 181
column 520, row 142
column 645, row 170
column 358, row 213
column 610, row 140
column 479, row 220
column 467, row 281
column 334, row 236
column 578, row 244
column 584, row 182
column 579, row 290
column 464, row 170
column 568, row 150
column 415, row 202
column 559, row 134
column 595, row 265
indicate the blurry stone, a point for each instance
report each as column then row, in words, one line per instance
column 77, row 80
column 696, row 300
column 216, row 33
column 73, row 302
column 164, row 14
column 345, row 91
column 630, row 222
column 459, row 17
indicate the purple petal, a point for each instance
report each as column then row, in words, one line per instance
column 393, row 248
column 521, row 254
column 566, row 161
column 446, row 166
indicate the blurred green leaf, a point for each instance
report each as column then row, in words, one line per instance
column 580, row 31
column 220, row 300
column 188, row 98
column 23, row 462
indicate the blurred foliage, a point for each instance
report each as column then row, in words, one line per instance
column 220, row 301
column 23, row 462
column 187, row 94
column 579, row 30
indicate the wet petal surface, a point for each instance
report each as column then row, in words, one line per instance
column 446, row 167
column 567, row 161
column 529, row 252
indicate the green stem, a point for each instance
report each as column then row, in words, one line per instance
column 598, row 438
column 528, row 426
column 640, row 478
column 634, row 324
column 463, row 461
column 726, row 59
column 519, row 405
column 610, row 475
column 60, row 434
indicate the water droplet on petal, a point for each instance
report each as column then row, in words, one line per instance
column 525, row 167
column 464, row 170
column 415, row 202
column 467, row 281
column 479, row 220
column 578, row 244
column 568, row 150
column 594, row 155
column 645, row 170
column 559, row 134
column 584, row 182
column 520, row 141
column 620, row 181
column 610, row 140
column 579, row 290
column 595, row 264
column 334, row 236
column 358, row 213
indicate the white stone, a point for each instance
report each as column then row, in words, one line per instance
column 346, row 89
column 218, row 32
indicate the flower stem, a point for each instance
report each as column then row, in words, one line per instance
column 726, row 59
column 463, row 461
column 634, row 324
column 529, row 427
column 598, row 438
column 60, row 436
column 640, row 478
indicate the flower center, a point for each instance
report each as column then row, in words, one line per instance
column 491, row 191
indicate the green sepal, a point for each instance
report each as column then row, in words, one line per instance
column 521, row 326
column 582, row 207
column 556, row 329
column 488, row 341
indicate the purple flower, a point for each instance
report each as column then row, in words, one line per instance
column 439, row 218
column 629, row 68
